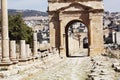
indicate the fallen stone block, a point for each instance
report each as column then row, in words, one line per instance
column 102, row 78
column 117, row 68
column 93, row 74
column 115, row 65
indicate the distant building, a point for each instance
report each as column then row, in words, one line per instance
column 36, row 22
column 39, row 24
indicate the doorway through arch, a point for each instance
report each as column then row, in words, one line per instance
column 77, row 39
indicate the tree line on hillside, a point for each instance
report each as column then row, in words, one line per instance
column 27, row 13
column 18, row 30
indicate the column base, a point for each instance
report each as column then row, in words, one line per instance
column 29, row 58
column 14, row 60
column 5, row 62
column 34, row 57
column 62, row 52
column 96, row 51
column 23, row 60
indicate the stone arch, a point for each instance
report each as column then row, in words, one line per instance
column 89, row 12
column 66, row 35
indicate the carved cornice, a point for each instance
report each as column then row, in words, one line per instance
column 96, row 10
column 69, row 12
column 75, row 4
column 73, row 7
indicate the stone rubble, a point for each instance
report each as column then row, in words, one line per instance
column 104, row 68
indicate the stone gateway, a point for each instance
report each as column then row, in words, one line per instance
column 64, row 12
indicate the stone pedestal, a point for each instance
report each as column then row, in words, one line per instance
column 5, row 39
column 23, row 55
column 13, row 55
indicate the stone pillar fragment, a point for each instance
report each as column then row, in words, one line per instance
column 23, row 55
column 118, row 37
column 13, row 55
column 5, row 38
column 114, row 37
column 35, row 45
column 28, row 51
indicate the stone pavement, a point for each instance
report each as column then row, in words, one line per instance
column 80, row 68
column 74, row 68
column 69, row 69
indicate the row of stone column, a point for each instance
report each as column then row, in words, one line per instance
column 24, row 54
column 8, row 56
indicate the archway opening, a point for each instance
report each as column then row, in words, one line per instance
column 77, row 43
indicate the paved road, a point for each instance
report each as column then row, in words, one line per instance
column 68, row 69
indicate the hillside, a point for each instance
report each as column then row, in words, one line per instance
column 27, row 13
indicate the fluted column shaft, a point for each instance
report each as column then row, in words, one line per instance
column 5, row 38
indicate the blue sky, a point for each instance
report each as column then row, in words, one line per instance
column 112, row 5
column 41, row 5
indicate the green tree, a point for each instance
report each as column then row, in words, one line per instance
column 0, row 24
column 18, row 30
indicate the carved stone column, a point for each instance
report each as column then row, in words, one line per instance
column 35, row 45
column 5, row 38
column 23, row 55
column 13, row 55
